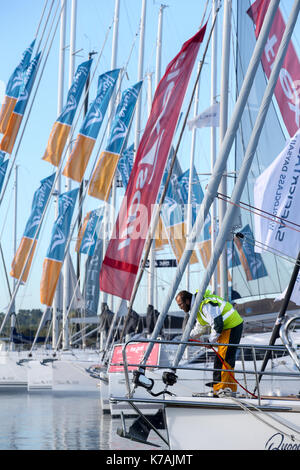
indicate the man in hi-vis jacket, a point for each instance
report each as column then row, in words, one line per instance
column 226, row 326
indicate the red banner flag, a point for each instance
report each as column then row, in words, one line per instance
column 120, row 265
column 287, row 88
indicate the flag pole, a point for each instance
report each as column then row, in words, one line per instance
column 223, row 125
column 13, row 309
column 109, row 212
column 157, row 80
column 60, row 98
column 214, row 46
column 66, row 287
column 190, row 188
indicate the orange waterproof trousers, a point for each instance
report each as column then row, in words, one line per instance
column 224, row 376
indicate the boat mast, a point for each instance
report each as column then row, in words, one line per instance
column 13, row 310
column 66, row 296
column 151, row 272
column 191, row 176
column 223, row 126
column 110, row 205
column 157, row 80
column 81, row 187
column 140, row 75
column 60, row 98
column 214, row 62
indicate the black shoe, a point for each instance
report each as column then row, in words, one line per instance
column 210, row 384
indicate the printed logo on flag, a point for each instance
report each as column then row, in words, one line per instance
column 27, row 86
column 40, row 199
column 11, row 120
column 101, row 181
column 12, row 90
column 95, row 114
column 26, row 248
column 62, row 224
column 75, row 92
column 91, row 232
column 55, row 255
column 61, row 127
column 122, row 118
column 94, row 118
column 125, row 164
column 17, row 78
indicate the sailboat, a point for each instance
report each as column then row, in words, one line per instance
column 260, row 422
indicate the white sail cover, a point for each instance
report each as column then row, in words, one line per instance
column 277, row 191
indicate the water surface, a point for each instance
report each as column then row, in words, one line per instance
column 60, row 421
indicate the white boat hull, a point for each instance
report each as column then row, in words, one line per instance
column 66, row 372
column 12, row 376
column 222, row 424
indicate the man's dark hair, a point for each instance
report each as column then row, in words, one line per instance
column 184, row 295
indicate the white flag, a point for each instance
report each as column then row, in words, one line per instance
column 208, row 118
column 277, row 191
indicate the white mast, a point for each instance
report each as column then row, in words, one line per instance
column 13, row 310
column 192, row 157
column 151, row 276
column 214, row 43
column 223, row 127
column 60, row 97
column 158, row 46
column 140, row 74
column 110, row 205
column 65, row 331
column 157, row 79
